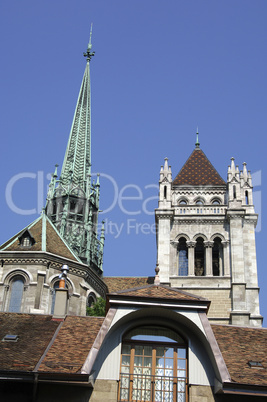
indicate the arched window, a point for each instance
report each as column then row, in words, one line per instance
column 217, row 257
column 91, row 299
column 199, row 202
column 199, row 257
column 216, row 202
column 182, row 202
column 182, row 252
column 153, row 365
column 56, row 286
column 16, row 293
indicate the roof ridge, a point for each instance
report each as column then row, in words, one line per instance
column 176, row 290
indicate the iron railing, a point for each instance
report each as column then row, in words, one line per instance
column 151, row 388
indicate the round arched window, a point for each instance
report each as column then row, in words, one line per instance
column 153, row 365
column 16, row 293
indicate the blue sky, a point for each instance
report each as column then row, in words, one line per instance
column 161, row 69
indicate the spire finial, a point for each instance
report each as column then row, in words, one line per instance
column 88, row 54
column 197, row 142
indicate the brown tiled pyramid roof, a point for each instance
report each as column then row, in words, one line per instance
column 46, row 238
column 240, row 345
column 198, row 171
column 158, row 292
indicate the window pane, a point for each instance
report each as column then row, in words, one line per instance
column 126, row 349
column 181, row 364
column 150, row 333
column 16, row 295
column 181, row 353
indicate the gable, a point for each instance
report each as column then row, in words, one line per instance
column 45, row 238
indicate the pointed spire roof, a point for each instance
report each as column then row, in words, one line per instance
column 198, row 171
column 77, row 160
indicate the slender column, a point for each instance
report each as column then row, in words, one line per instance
column 191, row 257
column 208, row 257
column 226, row 257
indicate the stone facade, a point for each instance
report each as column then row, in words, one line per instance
column 40, row 275
column 206, row 237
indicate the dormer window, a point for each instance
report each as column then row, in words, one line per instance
column 26, row 240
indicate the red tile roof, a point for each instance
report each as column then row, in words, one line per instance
column 72, row 345
column 34, row 334
column 240, row 345
column 198, row 171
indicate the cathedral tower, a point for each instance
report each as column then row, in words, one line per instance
column 73, row 199
column 206, row 237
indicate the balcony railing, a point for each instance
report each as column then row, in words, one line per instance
column 152, row 388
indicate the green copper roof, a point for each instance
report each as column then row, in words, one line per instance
column 77, row 161
column 73, row 201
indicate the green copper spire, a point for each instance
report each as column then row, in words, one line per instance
column 197, row 142
column 77, row 161
column 73, row 201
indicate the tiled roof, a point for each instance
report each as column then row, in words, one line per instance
column 198, row 171
column 54, row 243
column 34, row 334
column 72, row 345
column 239, row 345
column 116, row 283
column 67, row 353
column 158, row 292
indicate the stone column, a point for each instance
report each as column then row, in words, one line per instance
column 191, row 257
column 226, row 258
column 208, row 257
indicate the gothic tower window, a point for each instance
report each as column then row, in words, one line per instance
column 153, row 365
column 246, row 195
column 217, row 257
column 234, row 192
column 182, row 252
column 16, row 293
column 199, row 257
column 165, row 192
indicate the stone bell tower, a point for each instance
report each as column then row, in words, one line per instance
column 206, row 237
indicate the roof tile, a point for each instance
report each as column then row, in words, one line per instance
column 239, row 345
column 34, row 334
column 156, row 292
column 72, row 345
column 198, row 171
